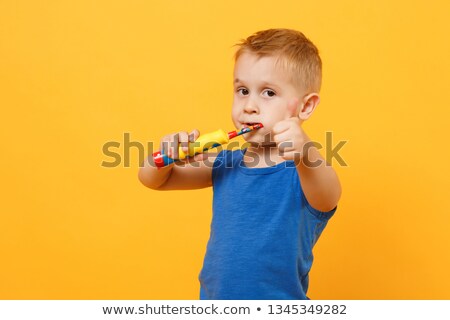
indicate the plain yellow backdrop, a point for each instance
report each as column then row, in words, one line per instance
column 77, row 74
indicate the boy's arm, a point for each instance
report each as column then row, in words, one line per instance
column 182, row 176
column 319, row 181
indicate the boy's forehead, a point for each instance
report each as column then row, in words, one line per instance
column 253, row 58
column 252, row 63
column 267, row 68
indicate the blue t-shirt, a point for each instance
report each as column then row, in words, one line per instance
column 262, row 232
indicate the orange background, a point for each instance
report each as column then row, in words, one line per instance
column 77, row 74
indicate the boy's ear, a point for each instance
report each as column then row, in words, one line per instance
column 309, row 104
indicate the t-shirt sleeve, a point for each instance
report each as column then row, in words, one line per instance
column 322, row 215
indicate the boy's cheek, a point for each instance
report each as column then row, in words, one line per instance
column 234, row 117
column 235, row 122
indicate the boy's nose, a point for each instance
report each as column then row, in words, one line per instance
column 250, row 108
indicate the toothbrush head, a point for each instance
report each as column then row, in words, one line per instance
column 255, row 126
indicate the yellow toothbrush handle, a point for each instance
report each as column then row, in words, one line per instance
column 205, row 142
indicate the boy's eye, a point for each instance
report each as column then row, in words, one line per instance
column 269, row 93
column 243, row 91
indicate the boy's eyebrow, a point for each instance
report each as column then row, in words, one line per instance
column 264, row 83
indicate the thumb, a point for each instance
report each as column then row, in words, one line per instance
column 198, row 157
column 201, row 157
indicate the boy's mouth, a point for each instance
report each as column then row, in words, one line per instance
column 249, row 124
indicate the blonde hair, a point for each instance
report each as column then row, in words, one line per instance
column 296, row 53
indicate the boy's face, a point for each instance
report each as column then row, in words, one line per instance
column 263, row 93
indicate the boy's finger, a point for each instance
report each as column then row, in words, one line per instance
column 286, row 146
column 184, row 141
column 194, row 135
column 198, row 157
column 280, row 127
column 164, row 146
column 201, row 156
column 174, row 146
column 280, row 137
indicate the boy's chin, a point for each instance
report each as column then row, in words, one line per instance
column 252, row 141
column 260, row 136
column 259, row 142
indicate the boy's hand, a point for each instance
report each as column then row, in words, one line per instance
column 290, row 138
column 171, row 142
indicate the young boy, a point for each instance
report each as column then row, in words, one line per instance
column 273, row 199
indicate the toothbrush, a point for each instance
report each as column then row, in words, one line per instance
column 203, row 143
